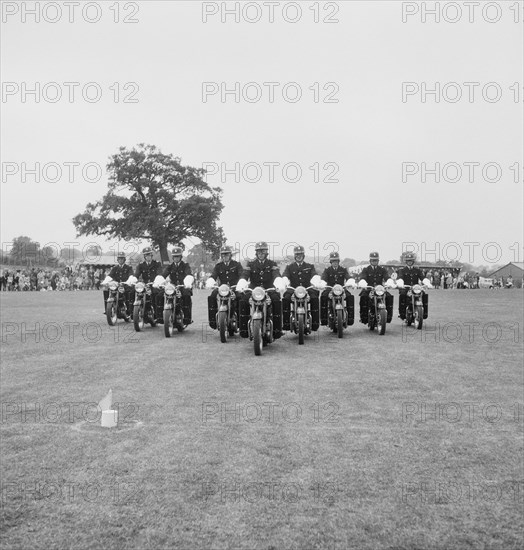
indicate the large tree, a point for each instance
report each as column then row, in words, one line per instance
column 152, row 197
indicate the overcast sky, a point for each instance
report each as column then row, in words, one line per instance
column 368, row 135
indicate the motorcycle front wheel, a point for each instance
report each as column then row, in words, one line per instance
column 301, row 329
column 222, row 326
column 340, row 323
column 138, row 318
column 419, row 316
column 257, row 336
column 111, row 314
column 168, row 323
column 382, row 322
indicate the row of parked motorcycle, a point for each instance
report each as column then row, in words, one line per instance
column 260, row 324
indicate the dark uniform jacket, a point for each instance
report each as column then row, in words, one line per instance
column 299, row 275
column 148, row 272
column 227, row 274
column 121, row 273
column 177, row 273
column 410, row 276
column 374, row 276
column 336, row 276
column 261, row 273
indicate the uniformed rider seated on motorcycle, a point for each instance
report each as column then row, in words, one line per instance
column 121, row 273
column 333, row 275
column 410, row 275
column 227, row 272
column 300, row 273
column 147, row 271
column 265, row 273
column 374, row 275
column 179, row 273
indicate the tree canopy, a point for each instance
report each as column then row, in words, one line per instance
column 152, row 197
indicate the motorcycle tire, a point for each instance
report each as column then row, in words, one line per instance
column 152, row 318
column 168, row 323
column 179, row 322
column 222, row 326
column 257, row 336
column 232, row 326
column 138, row 318
column 111, row 314
column 301, row 329
column 419, row 316
column 383, row 317
column 340, row 323
column 372, row 321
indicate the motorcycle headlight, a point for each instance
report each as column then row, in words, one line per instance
column 379, row 290
column 169, row 289
column 139, row 287
column 258, row 294
column 300, row 292
column 417, row 289
column 113, row 285
column 337, row 290
column 223, row 290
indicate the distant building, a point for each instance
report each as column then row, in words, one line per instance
column 515, row 269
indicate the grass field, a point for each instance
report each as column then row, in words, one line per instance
column 408, row 440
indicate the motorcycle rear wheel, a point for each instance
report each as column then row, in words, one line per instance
column 257, row 336
column 222, row 326
column 301, row 329
column 340, row 323
column 383, row 316
column 138, row 318
column 168, row 323
column 111, row 314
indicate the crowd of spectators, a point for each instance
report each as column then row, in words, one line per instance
column 41, row 279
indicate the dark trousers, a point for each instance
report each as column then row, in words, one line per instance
column 350, row 307
column 212, row 307
column 313, row 304
column 244, row 313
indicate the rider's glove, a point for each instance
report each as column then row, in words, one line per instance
column 107, row 280
column 350, row 283
column 286, row 281
column 210, row 283
column 159, row 281
column 188, row 281
column 362, row 283
column 427, row 282
column 400, row 283
column 390, row 283
column 131, row 281
column 242, row 285
column 322, row 285
column 315, row 281
column 279, row 284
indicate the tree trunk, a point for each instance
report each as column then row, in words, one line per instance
column 164, row 254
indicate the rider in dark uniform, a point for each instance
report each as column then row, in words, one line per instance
column 261, row 272
column 228, row 272
column 374, row 275
column 299, row 273
column 410, row 275
column 147, row 271
column 121, row 273
column 176, row 272
column 333, row 275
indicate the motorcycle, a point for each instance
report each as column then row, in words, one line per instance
column 143, row 310
column 337, row 312
column 116, row 306
column 300, row 318
column 173, row 314
column 260, row 326
column 377, row 316
column 414, row 305
column 226, row 319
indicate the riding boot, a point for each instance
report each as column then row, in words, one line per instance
column 402, row 305
column 277, row 318
column 186, row 308
column 389, row 306
column 324, row 310
column 286, row 311
column 350, row 305
column 212, row 308
column 425, row 298
column 106, row 296
column 243, row 308
column 314, row 313
column 364, row 301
